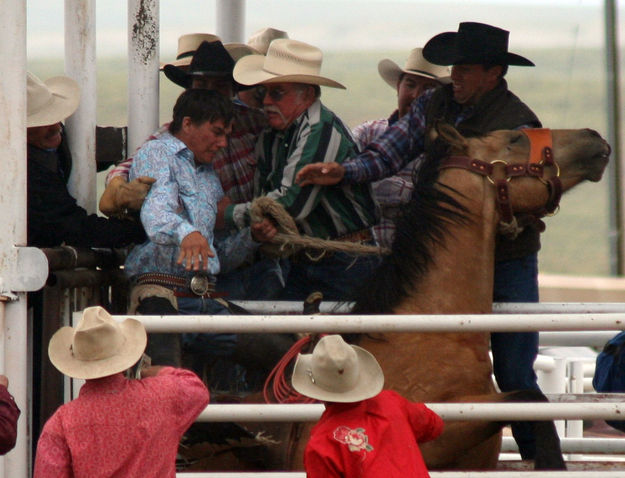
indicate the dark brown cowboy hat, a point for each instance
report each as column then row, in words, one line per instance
column 473, row 43
column 210, row 59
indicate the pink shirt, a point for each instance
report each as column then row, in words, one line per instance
column 121, row 428
column 374, row 438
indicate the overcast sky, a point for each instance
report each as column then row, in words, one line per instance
column 336, row 24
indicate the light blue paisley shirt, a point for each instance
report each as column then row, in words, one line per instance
column 182, row 200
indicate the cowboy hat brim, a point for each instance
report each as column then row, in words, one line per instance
column 65, row 98
column 236, row 51
column 442, row 49
column 369, row 384
column 249, row 71
column 61, row 356
column 391, row 71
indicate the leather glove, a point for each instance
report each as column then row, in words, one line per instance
column 120, row 195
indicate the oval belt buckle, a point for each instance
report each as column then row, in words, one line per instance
column 199, row 285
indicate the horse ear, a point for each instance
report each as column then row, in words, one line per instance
column 449, row 134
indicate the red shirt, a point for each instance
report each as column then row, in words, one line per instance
column 374, row 438
column 9, row 413
column 121, row 428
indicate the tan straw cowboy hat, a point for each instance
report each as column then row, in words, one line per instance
column 98, row 346
column 415, row 65
column 261, row 39
column 287, row 61
column 50, row 101
column 337, row 372
column 189, row 43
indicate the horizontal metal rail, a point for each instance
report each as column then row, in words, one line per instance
column 380, row 323
column 603, row 446
column 448, row 411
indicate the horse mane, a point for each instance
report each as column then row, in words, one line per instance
column 420, row 227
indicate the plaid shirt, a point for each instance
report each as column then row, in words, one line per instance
column 389, row 193
column 235, row 164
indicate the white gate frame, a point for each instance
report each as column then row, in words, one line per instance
column 579, row 319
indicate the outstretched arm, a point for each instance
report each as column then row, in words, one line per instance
column 120, row 194
column 322, row 174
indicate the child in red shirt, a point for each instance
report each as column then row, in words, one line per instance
column 364, row 431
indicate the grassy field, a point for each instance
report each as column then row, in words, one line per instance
column 566, row 90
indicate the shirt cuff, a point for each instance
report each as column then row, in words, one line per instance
column 237, row 215
column 351, row 172
column 183, row 231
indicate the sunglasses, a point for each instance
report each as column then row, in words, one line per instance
column 276, row 94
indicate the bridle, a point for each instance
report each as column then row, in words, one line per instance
column 500, row 173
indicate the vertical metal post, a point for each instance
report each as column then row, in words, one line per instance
column 13, row 219
column 231, row 20
column 80, row 65
column 143, row 44
column 615, row 168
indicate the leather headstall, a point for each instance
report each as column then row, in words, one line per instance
column 500, row 173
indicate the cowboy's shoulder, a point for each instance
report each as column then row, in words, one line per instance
column 247, row 119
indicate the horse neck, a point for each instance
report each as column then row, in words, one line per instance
column 460, row 280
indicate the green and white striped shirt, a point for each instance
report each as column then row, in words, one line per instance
column 318, row 135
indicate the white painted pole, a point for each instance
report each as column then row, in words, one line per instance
column 80, row 65
column 13, row 220
column 380, row 323
column 143, row 44
column 575, row 428
column 231, row 20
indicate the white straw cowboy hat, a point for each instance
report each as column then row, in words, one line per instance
column 189, row 43
column 50, row 101
column 98, row 346
column 261, row 39
column 287, row 61
column 337, row 372
column 415, row 65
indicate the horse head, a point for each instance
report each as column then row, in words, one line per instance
column 530, row 168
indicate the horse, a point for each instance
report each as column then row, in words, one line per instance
column 442, row 262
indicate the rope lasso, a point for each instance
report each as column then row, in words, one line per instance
column 278, row 386
column 288, row 239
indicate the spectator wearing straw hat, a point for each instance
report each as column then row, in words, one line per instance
column 54, row 218
column 302, row 130
column 364, row 431
column 416, row 77
column 116, row 426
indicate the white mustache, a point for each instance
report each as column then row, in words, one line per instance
column 273, row 109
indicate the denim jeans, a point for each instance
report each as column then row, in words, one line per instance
column 514, row 353
column 336, row 276
column 263, row 280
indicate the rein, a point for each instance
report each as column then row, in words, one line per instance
column 500, row 173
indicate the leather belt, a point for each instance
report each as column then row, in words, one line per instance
column 200, row 285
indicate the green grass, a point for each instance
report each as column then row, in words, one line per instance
column 566, row 90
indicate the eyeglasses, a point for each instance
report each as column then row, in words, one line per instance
column 276, row 94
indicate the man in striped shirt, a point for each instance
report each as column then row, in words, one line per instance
column 303, row 131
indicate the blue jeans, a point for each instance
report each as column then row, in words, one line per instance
column 514, row 353
column 336, row 276
column 263, row 280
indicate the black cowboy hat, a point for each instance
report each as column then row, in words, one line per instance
column 474, row 43
column 210, row 59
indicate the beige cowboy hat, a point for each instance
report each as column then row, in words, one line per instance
column 260, row 39
column 415, row 65
column 337, row 372
column 189, row 43
column 50, row 101
column 98, row 346
column 287, row 61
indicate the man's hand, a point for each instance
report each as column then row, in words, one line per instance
column 220, row 222
column 194, row 250
column 120, row 195
column 323, row 174
column 263, row 231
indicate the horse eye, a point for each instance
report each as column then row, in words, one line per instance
column 516, row 139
